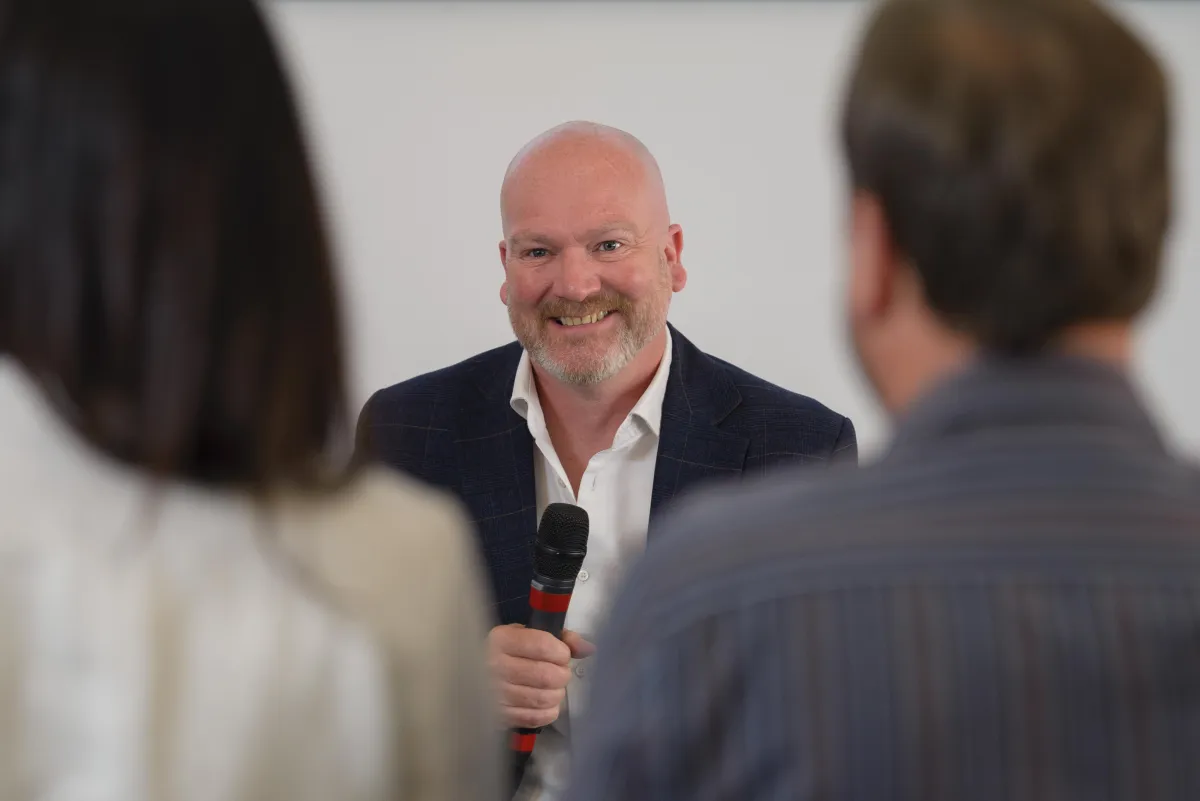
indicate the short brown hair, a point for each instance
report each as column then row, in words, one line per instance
column 1020, row 151
column 164, row 269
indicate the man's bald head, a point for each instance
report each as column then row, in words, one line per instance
column 590, row 255
column 579, row 151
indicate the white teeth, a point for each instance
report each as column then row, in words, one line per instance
column 591, row 318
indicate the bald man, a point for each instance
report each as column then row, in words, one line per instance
column 599, row 402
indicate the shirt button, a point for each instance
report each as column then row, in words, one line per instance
column 583, row 575
column 579, row 671
column 562, row 483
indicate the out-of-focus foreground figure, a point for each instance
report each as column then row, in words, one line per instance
column 196, row 600
column 1006, row 606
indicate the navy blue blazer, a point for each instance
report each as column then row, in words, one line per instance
column 454, row 428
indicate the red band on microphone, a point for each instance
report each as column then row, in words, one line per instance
column 548, row 602
column 522, row 743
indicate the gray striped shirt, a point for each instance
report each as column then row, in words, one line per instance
column 1005, row 607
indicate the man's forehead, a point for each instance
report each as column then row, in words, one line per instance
column 576, row 210
column 577, row 185
column 579, row 229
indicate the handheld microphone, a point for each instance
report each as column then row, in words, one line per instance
column 558, row 554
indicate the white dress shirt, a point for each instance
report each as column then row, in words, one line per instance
column 176, row 643
column 615, row 491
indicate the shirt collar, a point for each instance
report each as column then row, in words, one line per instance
column 648, row 409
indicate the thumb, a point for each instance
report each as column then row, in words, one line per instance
column 580, row 648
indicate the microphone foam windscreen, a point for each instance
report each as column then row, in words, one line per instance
column 561, row 541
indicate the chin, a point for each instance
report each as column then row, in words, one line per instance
column 581, row 371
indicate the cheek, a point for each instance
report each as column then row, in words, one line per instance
column 525, row 290
column 852, row 297
column 643, row 281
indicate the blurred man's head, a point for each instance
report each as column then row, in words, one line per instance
column 590, row 255
column 1011, row 193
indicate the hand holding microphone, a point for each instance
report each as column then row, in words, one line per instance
column 530, row 668
column 531, row 664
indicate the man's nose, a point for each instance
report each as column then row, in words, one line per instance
column 578, row 277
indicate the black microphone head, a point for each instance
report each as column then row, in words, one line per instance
column 561, row 542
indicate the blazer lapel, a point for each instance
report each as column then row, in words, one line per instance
column 495, row 460
column 692, row 446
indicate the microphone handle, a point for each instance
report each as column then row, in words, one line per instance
column 552, row 622
column 548, row 602
column 519, row 762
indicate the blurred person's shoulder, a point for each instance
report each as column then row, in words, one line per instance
column 386, row 542
column 786, row 506
column 796, row 531
column 717, row 530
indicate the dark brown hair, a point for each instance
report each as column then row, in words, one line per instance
column 164, row 268
column 1020, row 151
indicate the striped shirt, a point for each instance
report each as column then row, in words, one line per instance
column 1006, row 607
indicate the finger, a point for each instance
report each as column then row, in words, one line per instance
column 515, row 695
column 539, row 646
column 520, row 718
column 528, row 673
column 580, row 648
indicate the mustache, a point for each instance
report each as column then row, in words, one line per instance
column 606, row 302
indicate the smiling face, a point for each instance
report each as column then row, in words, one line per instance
column 589, row 255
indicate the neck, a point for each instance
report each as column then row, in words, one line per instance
column 1110, row 343
column 582, row 420
column 923, row 372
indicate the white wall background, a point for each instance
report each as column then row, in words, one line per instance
column 417, row 107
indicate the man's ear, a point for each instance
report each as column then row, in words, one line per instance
column 673, row 254
column 874, row 258
column 504, row 264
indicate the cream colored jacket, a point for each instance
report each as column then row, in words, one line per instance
column 178, row 644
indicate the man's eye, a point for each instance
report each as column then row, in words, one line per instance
column 610, row 246
column 536, row 253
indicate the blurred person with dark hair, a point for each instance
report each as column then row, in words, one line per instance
column 1006, row 605
column 200, row 599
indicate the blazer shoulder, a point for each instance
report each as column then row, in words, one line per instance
column 758, row 392
column 412, row 425
column 441, row 387
column 788, row 420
